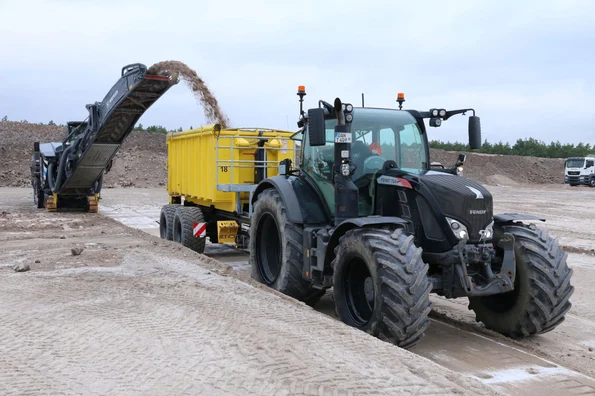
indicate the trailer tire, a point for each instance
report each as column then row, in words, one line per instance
column 542, row 288
column 184, row 220
column 166, row 221
column 380, row 285
column 276, row 250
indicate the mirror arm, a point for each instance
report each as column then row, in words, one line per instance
column 451, row 113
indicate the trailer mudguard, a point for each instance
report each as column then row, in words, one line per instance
column 303, row 204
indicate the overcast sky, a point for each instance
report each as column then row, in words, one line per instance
column 526, row 66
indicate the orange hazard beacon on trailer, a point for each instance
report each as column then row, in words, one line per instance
column 212, row 173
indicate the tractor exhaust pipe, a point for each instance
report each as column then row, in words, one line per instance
column 346, row 192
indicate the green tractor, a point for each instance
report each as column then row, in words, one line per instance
column 368, row 216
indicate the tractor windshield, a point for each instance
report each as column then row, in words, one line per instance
column 383, row 134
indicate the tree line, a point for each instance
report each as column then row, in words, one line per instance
column 523, row 147
column 139, row 127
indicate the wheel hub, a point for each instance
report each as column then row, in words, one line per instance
column 268, row 249
column 359, row 291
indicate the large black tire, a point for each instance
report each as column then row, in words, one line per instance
column 592, row 182
column 542, row 288
column 381, row 285
column 276, row 250
column 184, row 220
column 166, row 221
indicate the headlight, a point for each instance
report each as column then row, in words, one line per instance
column 488, row 232
column 442, row 113
column 458, row 228
column 435, row 113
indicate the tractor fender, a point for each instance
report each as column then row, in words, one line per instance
column 510, row 217
column 359, row 222
column 303, row 204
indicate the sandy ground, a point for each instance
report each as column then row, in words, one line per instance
column 559, row 362
column 133, row 314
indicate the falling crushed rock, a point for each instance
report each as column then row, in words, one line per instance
column 178, row 69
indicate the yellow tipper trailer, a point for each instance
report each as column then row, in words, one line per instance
column 212, row 173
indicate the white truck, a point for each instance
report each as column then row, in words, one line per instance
column 580, row 171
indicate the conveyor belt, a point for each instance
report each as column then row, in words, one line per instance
column 109, row 123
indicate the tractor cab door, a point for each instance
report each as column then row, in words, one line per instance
column 317, row 163
column 367, row 154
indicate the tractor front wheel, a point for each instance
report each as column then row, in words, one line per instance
column 381, row 286
column 276, row 250
column 542, row 288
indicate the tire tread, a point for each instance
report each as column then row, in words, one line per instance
column 168, row 213
column 187, row 216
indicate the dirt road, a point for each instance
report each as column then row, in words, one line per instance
column 561, row 361
column 133, row 314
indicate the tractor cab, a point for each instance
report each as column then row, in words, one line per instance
column 376, row 136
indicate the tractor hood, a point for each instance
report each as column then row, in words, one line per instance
column 459, row 198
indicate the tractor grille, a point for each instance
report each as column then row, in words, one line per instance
column 457, row 197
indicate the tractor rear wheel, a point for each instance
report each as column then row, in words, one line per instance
column 184, row 220
column 381, row 286
column 542, row 288
column 166, row 221
column 276, row 250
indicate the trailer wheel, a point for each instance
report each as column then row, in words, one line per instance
column 184, row 220
column 542, row 288
column 276, row 250
column 166, row 221
column 381, row 286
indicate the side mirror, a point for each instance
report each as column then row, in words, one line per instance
column 316, row 127
column 474, row 133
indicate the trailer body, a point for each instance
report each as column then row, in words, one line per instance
column 216, row 171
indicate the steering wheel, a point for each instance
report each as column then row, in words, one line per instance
column 373, row 163
column 370, row 165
